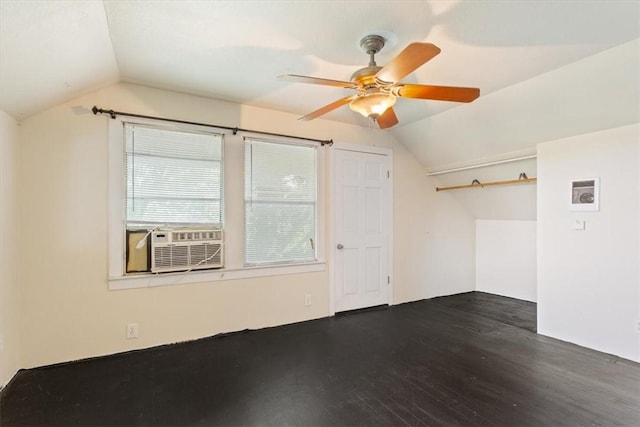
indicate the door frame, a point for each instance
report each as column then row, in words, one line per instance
column 332, row 216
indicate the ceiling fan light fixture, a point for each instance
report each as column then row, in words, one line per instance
column 372, row 105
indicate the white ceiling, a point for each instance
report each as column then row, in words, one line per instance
column 52, row 51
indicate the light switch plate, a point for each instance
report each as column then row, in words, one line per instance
column 579, row 224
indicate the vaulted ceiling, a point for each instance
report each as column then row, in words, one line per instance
column 52, row 51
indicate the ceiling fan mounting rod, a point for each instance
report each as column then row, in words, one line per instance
column 372, row 59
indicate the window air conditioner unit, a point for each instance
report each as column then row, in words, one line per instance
column 186, row 249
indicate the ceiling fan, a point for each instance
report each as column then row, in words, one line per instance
column 377, row 88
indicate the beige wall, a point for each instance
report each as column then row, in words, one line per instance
column 9, row 296
column 68, row 312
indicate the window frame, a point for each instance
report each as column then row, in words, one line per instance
column 118, row 280
column 183, row 129
column 316, row 238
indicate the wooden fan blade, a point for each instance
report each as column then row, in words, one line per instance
column 387, row 119
column 327, row 108
column 438, row 93
column 407, row 61
column 315, row 80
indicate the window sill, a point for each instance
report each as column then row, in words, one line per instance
column 201, row 276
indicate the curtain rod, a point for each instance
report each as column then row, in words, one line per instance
column 235, row 130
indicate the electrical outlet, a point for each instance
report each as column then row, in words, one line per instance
column 307, row 300
column 132, row 331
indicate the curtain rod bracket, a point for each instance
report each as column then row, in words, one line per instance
column 475, row 182
column 97, row 111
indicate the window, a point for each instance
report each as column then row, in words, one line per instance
column 280, row 202
column 173, row 178
column 164, row 175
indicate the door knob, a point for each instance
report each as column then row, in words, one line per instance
column 339, row 246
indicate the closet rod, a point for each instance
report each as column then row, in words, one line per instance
column 476, row 183
column 113, row 115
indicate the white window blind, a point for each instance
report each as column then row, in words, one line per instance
column 280, row 202
column 173, row 178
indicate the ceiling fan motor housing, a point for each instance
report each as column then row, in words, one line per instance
column 366, row 76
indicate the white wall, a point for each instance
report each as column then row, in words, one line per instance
column 506, row 258
column 68, row 313
column 434, row 236
column 588, row 281
column 500, row 202
column 9, row 289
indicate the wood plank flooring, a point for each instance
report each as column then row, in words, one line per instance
column 464, row 360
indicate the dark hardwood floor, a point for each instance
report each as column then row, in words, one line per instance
column 468, row 359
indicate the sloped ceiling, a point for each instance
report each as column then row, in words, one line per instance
column 52, row 51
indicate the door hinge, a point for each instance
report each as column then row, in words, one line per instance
column 388, row 280
column 388, row 174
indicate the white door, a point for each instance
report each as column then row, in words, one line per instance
column 362, row 204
